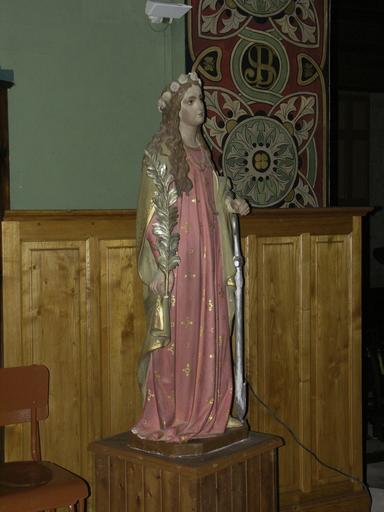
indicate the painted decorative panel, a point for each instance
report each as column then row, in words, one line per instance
column 264, row 68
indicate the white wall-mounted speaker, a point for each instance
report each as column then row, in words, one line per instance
column 156, row 11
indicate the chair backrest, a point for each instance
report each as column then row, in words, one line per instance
column 23, row 393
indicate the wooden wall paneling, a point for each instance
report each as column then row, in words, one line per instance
column 282, row 364
column 251, row 352
column 52, row 311
column 93, row 405
column 122, row 334
column 331, row 356
column 305, row 480
column 12, row 291
column 54, row 333
column 317, row 221
column 72, row 299
column 12, row 315
column 356, row 351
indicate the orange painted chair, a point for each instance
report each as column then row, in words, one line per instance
column 35, row 485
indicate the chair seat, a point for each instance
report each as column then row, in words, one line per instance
column 29, row 486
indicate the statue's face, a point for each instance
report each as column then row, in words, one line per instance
column 192, row 109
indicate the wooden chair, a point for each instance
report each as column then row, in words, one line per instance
column 35, row 485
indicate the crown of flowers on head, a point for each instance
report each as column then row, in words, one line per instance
column 166, row 97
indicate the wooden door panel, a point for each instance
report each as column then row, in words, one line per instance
column 53, row 311
column 278, row 356
column 331, row 362
column 122, row 328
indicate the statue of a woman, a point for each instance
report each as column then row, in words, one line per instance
column 186, row 369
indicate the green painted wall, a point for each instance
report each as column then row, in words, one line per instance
column 87, row 77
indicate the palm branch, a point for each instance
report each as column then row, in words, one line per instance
column 166, row 216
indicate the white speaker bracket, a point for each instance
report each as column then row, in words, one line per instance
column 157, row 11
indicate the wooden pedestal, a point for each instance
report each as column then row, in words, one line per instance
column 238, row 478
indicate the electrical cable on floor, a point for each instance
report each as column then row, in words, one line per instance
column 273, row 413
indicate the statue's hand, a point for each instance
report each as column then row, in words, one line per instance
column 158, row 284
column 240, row 206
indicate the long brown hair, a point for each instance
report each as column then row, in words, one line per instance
column 168, row 136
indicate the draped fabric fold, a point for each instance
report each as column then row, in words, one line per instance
column 186, row 370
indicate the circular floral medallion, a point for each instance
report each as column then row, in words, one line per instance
column 263, row 8
column 261, row 159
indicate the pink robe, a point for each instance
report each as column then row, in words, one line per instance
column 189, row 382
